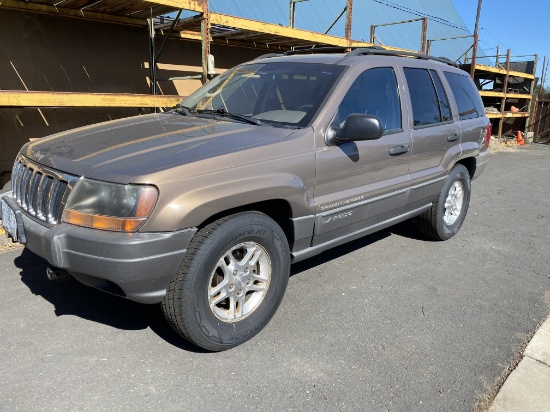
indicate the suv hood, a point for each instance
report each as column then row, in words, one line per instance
column 121, row 150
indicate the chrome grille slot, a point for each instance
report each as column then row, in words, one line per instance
column 33, row 192
column 25, row 188
column 42, row 208
column 55, row 208
column 41, row 192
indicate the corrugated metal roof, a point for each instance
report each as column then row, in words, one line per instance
column 317, row 16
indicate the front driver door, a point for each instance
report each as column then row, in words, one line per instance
column 362, row 183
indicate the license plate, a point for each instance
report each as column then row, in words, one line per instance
column 8, row 220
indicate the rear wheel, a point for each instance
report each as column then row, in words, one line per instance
column 231, row 281
column 448, row 211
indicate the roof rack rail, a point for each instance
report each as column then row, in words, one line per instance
column 361, row 51
column 268, row 55
column 305, row 50
column 313, row 50
column 380, row 50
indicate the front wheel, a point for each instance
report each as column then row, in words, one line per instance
column 448, row 211
column 231, row 281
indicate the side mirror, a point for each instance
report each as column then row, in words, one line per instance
column 356, row 127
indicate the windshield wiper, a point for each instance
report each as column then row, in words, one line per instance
column 186, row 111
column 236, row 116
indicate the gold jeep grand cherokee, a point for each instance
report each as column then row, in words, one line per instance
column 204, row 208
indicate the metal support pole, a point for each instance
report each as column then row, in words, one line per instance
column 496, row 59
column 504, row 90
column 205, row 41
column 372, row 28
column 543, row 75
column 541, row 91
column 532, row 102
column 174, row 22
column 152, row 65
column 293, row 10
column 336, row 20
column 349, row 13
column 423, row 37
column 476, row 39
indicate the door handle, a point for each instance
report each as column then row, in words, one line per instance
column 453, row 137
column 399, row 149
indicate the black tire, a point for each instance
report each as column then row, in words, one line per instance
column 434, row 223
column 187, row 304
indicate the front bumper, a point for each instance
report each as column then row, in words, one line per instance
column 138, row 266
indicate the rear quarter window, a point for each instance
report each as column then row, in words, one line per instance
column 466, row 96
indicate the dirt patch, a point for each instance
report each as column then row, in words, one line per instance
column 6, row 243
column 6, row 247
column 503, row 146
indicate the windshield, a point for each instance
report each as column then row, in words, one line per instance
column 285, row 94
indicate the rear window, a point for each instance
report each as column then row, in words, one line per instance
column 466, row 96
column 426, row 106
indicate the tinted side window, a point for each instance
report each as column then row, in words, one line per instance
column 444, row 106
column 466, row 96
column 425, row 104
column 373, row 92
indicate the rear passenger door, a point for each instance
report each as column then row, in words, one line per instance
column 471, row 113
column 435, row 136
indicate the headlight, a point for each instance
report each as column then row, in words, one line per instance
column 109, row 206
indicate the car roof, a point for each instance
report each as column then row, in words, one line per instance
column 338, row 55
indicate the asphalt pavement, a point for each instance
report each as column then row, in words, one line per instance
column 391, row 322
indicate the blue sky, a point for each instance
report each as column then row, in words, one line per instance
column 522, row 26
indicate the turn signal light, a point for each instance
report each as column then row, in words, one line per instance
column 127, row 224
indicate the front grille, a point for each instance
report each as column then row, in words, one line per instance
column 40, row 191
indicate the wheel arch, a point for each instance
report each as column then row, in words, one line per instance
column 470, row 164
column 279, row 210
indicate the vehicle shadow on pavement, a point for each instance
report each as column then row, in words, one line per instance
column 70, row 297
column 409, row 230
column 405, row 229
column 338, row 252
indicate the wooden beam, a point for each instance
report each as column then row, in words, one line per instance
column 192, row 5
column 185, row 35
column 490, row 69
column 506, row 115
column 273, row 29
column 18, row 98
column 489, row 93
column 63, row 11
column 181, row 23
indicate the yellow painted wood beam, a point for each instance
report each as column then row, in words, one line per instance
column 17, row 98
column 63, row 11
column 185, row 35
column 288, row 32
column 274, row 29
column 491, row 69
column 506, row 115
column 192, row 5
column 487, row 93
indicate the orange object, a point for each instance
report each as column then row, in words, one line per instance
column 514, row 109
column 521, row 142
